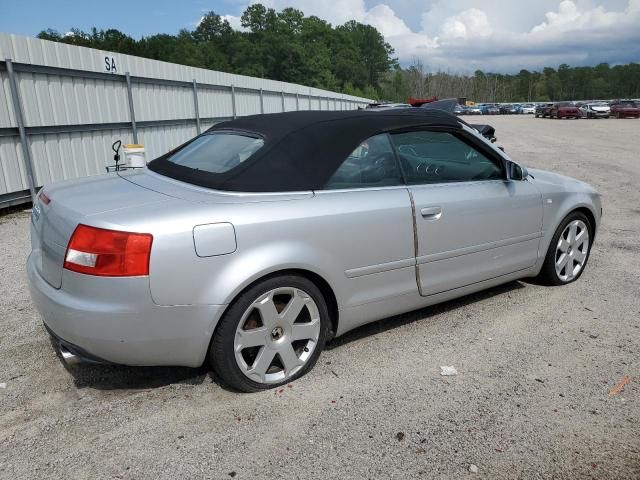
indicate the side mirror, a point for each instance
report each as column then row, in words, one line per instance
column 516, row 172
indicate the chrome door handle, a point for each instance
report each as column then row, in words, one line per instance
column 431, row 213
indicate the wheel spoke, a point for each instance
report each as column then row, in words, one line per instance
column 580, row 238
column 294, row 307
column 251, row 338
column 562, row 261
column 268, row 311
column 289, row 358
column 305, row 331
column 262, row 362
column 570, row 266
column 563, row 245
column 573, row 231
column 580, row 257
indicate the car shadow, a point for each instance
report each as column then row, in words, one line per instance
column 119, row 377
column 421, row 314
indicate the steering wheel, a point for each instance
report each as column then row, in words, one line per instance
column 483, row 175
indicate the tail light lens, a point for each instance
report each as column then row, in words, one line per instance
column 43, row 197
column 108, row 253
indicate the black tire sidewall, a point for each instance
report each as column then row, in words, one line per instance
column 548, row 273
column 221, row 352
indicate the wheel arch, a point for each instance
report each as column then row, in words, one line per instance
column 317, row 279
column 590, row 216
column 584, row 207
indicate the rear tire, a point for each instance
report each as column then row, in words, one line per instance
column 272, row 334
column 568, row 251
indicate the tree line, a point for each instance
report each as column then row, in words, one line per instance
column 602, row 82
column 352, row 58
column 286, row 45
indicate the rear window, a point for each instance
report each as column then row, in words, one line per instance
column 217, row 152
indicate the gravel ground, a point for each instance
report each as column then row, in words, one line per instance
column 531, row 398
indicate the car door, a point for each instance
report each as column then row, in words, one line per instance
column 471, row 222
column 363, row 218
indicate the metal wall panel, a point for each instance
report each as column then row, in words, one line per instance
column 7, row 117
column 214, row 103
column 61, row 100
column 13, row 178
column 70, row 155
column 73, row 110
column 272, row 102
column 162, row 102
column 247, row 103
column 290, row 103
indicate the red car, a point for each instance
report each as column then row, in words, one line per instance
column 565, row 110
column 625, row 109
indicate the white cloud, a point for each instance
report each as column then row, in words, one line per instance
column 468, row 24
column 386, row 21
column 569, row 17
column 499, row 35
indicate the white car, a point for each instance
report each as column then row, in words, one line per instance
column 596, row 110
column 528, row 108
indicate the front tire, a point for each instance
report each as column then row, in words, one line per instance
column 271, row 334
column 568, row 251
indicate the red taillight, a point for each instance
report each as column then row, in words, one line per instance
column 43, row 197
column 108, row 253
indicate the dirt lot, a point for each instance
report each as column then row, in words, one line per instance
column 531, row 399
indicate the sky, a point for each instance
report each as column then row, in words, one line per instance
column 449, row 35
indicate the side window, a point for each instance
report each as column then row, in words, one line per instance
column 441, row 157
column 371, row 164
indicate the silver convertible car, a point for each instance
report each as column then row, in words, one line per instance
column 255, row 243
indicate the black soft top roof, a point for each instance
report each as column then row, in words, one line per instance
column 301, row 149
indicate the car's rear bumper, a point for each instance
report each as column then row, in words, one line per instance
column 628, row 114
column 565, row 114
column 114, row 320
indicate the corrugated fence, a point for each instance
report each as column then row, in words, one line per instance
column 62, row 106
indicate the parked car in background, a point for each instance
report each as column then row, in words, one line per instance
column 595, row 110
column 564, row 110
column 489, row 109
column 237, row 249
column 528, row 109
column 459, row 110
column 625, row 109
column 543, row 110
column 508, row 109
column 474, row 110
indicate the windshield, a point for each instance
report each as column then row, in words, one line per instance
column 217, row 152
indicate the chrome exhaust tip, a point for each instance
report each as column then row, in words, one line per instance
column 68, row 357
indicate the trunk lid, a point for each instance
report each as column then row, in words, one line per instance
column 74, row 202
column 193, row 193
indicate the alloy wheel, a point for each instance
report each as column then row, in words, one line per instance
column 572, row 250
column 277, row 335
